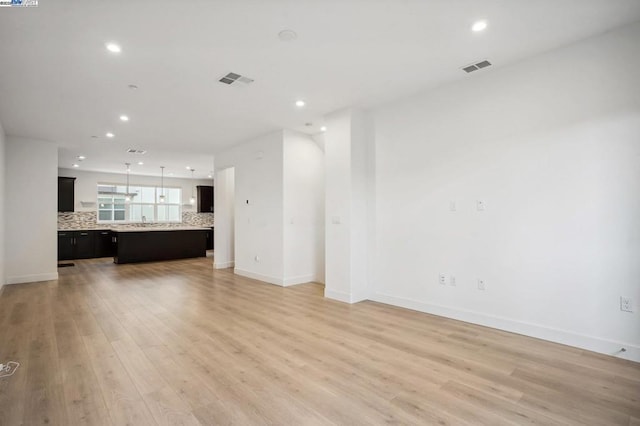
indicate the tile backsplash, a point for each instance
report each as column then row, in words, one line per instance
column 88, row 220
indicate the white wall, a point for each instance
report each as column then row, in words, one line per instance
column 272, row 180
column 3, row 204
column 31, row 203
column 552, row 146
column 349, row 233
column 258, row 231
column 303, row 181
column 224, row 206
column 86, row 185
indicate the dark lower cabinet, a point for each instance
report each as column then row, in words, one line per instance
column 150, row 246
column 210, row 239
column 66, row 245
column 84, row 244
column 103, row 244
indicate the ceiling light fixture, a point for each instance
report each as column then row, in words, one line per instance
column 162, row 198
column 323, row 128
column 300, row 104
column 188, row 167
column 479, row 26
column 113, row 47
column 192, row 200
column 140, row 163
column 109, row 135
column 132, row 86
column 124, row 118
column 81, row 157
column 76, row 165
column 127, row 195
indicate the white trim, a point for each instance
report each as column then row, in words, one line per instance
column 259, row 277
column 300, row 279
column 340, row 296
column 32, row 278
column 224, row 265
column 356, row 297
column 565, row 337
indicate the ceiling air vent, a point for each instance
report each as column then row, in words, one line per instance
column 136, row 151
column 477, row 66
column 236, row 79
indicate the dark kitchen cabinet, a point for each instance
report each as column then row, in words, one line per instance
column 103, row 244
column 66, row 194
column 84, row 244
column 205, row 199
column 163, row 244
column 210, row 239
column 65, row 245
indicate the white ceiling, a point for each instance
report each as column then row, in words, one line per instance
column 58, row 82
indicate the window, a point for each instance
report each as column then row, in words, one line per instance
column 145, row 204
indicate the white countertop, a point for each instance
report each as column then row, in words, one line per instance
column 141, row 229
column 152, row 229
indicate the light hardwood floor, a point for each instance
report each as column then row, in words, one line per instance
column 180, row 343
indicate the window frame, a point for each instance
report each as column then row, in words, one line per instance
column 127, row 209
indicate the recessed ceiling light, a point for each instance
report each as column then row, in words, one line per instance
column 109, row 135
column 140, row 163
column 76, row 165
column 188, row 167
column 287, row 35
column 300, row 104
column 210, row 176
column 479, row 26
column 113, row 47
column 81, row 157
column 124, row 118
column 323, row 128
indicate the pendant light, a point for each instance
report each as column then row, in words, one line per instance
column 127, row 195
column 193, row 197
column 162, row 185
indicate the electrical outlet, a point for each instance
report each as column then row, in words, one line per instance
column 480, row 205
column 626, row 304
column 442, row 278
column 480, row 284
column 452, row 280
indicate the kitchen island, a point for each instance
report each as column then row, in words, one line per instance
column 152, row 244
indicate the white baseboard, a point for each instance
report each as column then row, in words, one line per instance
column 223, row 265
column 20, row 279
column 344, row 296
column 286, row 282
column 340, row 296
column 259, row 277
column 301, row 279
column 565, row 337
